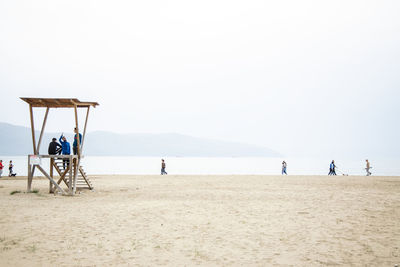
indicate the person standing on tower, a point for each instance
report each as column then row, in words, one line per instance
column 66, row 149
column 75, row 144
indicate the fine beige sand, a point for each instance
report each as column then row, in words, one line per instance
column 204, row 220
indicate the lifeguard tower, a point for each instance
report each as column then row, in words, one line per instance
column 73, row 176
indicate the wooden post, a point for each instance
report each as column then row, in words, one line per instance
column 71, row 189
column 76, row 169
column 41, row 132
column 29, row 175
column 33, row 170
column 51, row 175
column 84, row 129
column 33, row 130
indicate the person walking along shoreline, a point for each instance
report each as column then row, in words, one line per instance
column 332, row 167
column 163, row 167
column 367, row 168
column 284, row 165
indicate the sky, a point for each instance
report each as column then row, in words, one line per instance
column 305, row 78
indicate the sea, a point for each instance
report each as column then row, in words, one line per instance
column 96, row 165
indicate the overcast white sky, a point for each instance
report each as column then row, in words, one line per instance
column 306, row 78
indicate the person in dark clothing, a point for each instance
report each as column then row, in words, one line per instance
column 54, row 147
column 66, row 149
column 10, row 169
column 163, row 167
column 75, row 144
column 284, row 165
column 332, row 168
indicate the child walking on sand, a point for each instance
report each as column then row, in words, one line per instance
column 10, row 169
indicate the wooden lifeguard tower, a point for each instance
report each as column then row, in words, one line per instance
column 73, row 176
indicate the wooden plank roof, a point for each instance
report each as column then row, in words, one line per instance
column 57, row 102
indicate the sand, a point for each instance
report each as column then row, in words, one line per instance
column 204, row 220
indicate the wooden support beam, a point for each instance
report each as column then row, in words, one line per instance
column 51, row 179
column 76, row 168
column 33, row 170
column 33, row 130
column 30, row 175
column 42, row 131
column 51, row 175
column 62, row 180
column 71, row 189
column 85, row 177
column 57, row 169
column 62, row 176
column 84, row 129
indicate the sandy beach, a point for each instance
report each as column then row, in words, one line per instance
column 203, row 220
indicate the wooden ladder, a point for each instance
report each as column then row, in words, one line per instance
column 82, row 181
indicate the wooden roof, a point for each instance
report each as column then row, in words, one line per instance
column 57, row 102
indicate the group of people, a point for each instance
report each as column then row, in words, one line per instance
column 64, row 147
column 332, row 168
column 55, row 148
column 10, row 169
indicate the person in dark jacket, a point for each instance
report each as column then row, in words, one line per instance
column 54, row 147
column 163, row 167
column 10, row 169
column 284, row 165
column 332, row 168
column 65, row 150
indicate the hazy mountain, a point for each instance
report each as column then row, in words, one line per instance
column 17, row 140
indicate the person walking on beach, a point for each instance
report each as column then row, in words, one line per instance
column 1, row 167
column 368, row 167
column 163, row 167
column 54, row 147
column 65, row 150
column 10, row 169
column 75, row 144
column 284, row 167
column 332, row 168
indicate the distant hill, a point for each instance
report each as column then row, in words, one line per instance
column 17, row 140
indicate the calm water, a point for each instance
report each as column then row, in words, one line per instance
column 192, row 165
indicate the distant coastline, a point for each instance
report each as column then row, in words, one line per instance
column 17, row 141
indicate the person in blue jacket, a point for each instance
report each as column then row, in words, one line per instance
column 65, row 149
column 332, row 167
